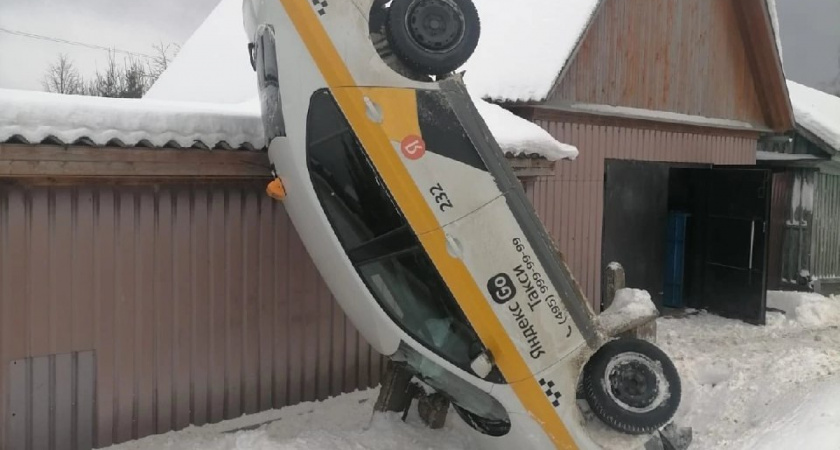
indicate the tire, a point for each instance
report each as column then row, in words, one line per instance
column 632, row 386
column 433, row 37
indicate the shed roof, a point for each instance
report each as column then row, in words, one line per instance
column 817, row 112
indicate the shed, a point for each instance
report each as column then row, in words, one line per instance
column 139, row 261
column 666, row 101
column 805, row 226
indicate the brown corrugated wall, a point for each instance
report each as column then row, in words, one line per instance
column 571, row 203
column 199, row 301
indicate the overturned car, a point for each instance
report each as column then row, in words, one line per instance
column 423, row 233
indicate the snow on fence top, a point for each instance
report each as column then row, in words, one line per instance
column 519, row 137
column 524, row 46
column 817, row 112
column 36, row 116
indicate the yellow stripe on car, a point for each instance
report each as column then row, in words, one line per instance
column 378, row 145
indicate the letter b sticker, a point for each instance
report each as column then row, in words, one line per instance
column 501, row 288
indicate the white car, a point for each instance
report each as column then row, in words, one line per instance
column 422, row 232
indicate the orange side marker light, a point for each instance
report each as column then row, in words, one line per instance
column 276, row 190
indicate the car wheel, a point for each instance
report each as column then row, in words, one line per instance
column 632, row 386
column 434, row 37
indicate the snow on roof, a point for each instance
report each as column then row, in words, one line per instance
column 817, row 112
column 36, row 116
column 524, row 46
column 519, row 137
column 213, row 67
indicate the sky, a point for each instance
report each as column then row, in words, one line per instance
column 810, row 34
column 129, row 25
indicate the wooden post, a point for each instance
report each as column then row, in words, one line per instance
column 433, row 409
column 396, row 394
column 615, row 281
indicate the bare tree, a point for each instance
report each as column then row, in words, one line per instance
column 62, row 77
column 836, row 88
column 833, row 87
column 130, row 78
column 107, row 83
column 164, row 54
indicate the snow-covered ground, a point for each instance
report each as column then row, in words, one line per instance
column 744, row 387
column 772, row 387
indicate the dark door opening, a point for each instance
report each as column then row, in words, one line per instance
column 726, row 238
column 723, row 253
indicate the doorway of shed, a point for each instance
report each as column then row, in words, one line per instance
column 693, row 236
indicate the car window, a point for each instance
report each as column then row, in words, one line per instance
column 379, row 241
column 351, row 192
column 412, row 293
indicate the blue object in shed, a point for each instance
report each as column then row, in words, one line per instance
column 675, row 260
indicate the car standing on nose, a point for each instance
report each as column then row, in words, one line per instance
column 421, row 230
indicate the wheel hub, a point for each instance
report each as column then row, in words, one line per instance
column 634, row 384
column 435, row 25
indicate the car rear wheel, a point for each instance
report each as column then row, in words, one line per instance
column 632, row 386
column 434, row 37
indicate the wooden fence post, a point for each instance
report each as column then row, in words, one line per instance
column 397, row 393
column 616, row 280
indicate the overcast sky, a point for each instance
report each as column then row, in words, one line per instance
column 810, row 34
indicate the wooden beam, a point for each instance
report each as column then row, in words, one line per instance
column 18, row 160
column 765, row 62
column 531, row 167
column 534, row 113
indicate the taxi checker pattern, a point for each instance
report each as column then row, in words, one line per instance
column 320, row 6
column 552, row 395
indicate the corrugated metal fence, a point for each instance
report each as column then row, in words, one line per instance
column 571, row 204
column 199, row 302
column 799, row 228
column 779, row 207
column 826, row 228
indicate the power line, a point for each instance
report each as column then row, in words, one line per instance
column 77, row 43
